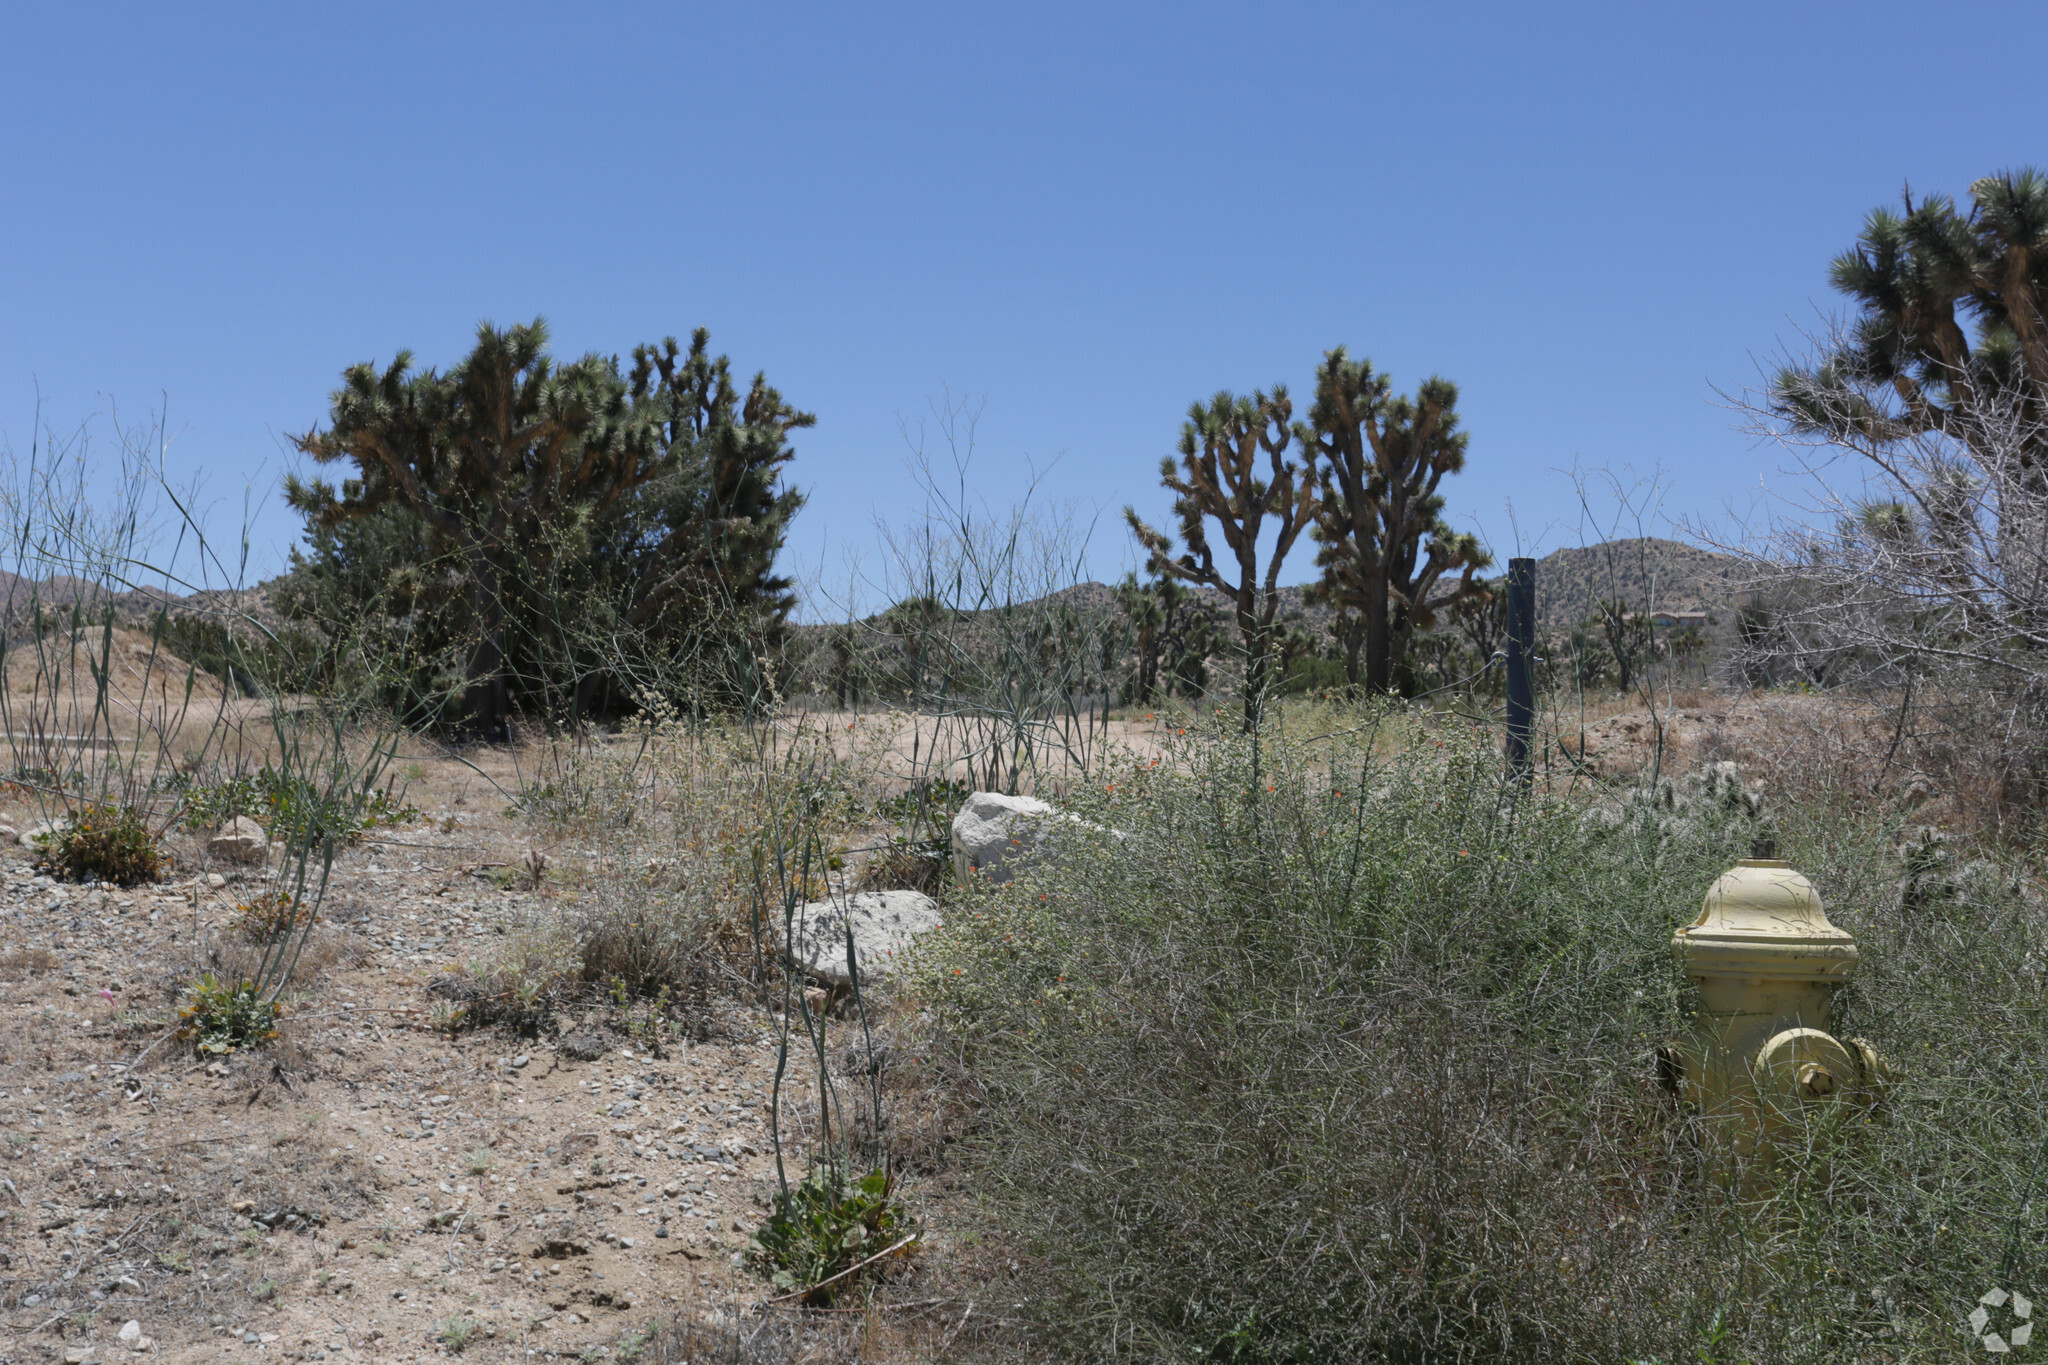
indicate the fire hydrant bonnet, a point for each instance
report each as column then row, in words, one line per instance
column 1763, row 921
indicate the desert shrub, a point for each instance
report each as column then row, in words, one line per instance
column 218, row 1017
column 823, row 1227
column 1345, row 1056
column 909, row 865
column 272, row 912
column 293, row 807
column 102, row 843
column 17, row 963
column 669, row 904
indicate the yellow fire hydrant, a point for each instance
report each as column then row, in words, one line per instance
column 1759, row 1052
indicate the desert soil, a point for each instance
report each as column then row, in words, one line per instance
column 369, row 1187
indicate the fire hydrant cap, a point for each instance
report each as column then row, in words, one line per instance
column 1763, row 920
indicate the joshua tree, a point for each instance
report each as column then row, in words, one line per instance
column 1172, row 631
column 1219, row 479
column 1924, row 279
column 1929, row 581
column 492, row 504
column 1385, row 546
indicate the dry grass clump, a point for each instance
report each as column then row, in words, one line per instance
column 22, row 963
column 676, row 814
column 1361, row 1067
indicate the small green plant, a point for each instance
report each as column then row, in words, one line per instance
column 479, row 1161
column 219, row 1018
column 291, row 807
column 938, row 799
column 456, row 1333
column 823, row 1227
column 101, row 843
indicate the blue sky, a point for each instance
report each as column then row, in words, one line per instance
column 1084, row 217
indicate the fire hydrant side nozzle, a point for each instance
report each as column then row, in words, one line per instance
column 1765, row 959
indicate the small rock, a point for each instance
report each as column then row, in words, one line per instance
column 128, row 1284
column 8, row 832
column 80, row 1355
column 521, row 1060
column 621, row 1109
column 130, row 1333
column 661, row 1232
column 241, row 840
column 583, row 1047
column 215, row 880
column 27, row 838
column 884, row 924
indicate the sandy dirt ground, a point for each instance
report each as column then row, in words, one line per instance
column 369, row 1187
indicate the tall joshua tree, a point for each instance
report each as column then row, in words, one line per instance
column 1385, row 548
column 1223, row 478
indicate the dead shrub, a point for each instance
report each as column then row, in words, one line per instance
column 925, row 866
column 26, row 962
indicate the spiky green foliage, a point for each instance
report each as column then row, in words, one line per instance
column 1950, row 318
column 1219, row 479
column 519, row 528
column 1172, row 632
column 1385, row 546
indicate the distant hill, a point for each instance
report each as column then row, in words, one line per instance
column 1649, row 573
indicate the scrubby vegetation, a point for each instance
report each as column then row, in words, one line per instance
column 1323, row 1037
column 1349, row 1054
column 110, row 843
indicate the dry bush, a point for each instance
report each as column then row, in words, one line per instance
column 666, row 912
column 27, row 962
column 925, row 866
column 1298, row 1070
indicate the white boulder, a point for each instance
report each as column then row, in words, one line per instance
column 38, row 830
column 884, row 925
column 996, row 836
column 240, row 840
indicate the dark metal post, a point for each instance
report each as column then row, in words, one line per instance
column 1521, row 623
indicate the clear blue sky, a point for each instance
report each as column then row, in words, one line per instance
column 1088, row 215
